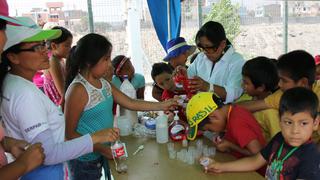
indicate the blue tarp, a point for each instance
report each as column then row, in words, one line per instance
column 158, row 11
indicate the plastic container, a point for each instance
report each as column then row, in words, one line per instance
column 177, row 129
column 162, row 129
column 125, row 125
column 128, row 89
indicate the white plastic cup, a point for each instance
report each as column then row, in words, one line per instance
column 125, row 125
column 162, row 135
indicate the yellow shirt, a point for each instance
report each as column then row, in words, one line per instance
column 273, row 101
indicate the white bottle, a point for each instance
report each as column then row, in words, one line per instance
column 128, row 89
column 162, row 134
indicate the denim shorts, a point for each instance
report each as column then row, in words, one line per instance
column 88, row 170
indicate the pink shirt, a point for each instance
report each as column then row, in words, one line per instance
column 3, row 159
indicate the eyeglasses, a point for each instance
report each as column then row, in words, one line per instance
column 36, row 48
column 209, row 49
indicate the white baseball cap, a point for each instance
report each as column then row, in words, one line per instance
column 31, row 33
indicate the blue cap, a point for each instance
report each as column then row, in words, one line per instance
column 177, row 46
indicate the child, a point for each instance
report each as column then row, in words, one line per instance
column 296, row 69
column 161, row 73
column 89, row 101
column 178, row 52
column 123, row 66
column 290, row 154
column 54, row 77
column 243, row 136
column 317, row 61
column 260, row 79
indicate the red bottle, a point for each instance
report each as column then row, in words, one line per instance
column 182, row 82
column 177, row 129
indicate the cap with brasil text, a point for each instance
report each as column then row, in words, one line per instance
column 198, row 108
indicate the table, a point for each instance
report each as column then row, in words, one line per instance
column 153, row 163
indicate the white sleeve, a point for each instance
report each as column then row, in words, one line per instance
column 233, row 85
column 192, row 69
column 31, row 116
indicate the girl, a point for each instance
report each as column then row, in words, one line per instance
column 86, row 67
column 54, row 77
column 123, row 66
column 28, row 114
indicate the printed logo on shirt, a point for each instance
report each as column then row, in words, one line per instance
column 32, row 127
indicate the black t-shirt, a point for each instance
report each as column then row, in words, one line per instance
column 304, row 163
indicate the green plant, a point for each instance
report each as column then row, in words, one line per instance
column 227, row 14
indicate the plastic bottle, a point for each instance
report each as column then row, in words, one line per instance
column 177, row 129
column 162, row 129
column 128, row 89
column 119, row 153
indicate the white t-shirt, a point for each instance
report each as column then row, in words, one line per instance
column 26, row 111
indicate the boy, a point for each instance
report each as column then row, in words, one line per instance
column 178, row 52
column 243, row 136
column 291, row 154
column 161, row 74
column 260, row 79
column 295, row 69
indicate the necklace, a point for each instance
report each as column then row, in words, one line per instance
column 277, row 164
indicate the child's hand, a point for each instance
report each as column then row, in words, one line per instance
column 170, row 104
column 17, row 147
column 215, row 167
column 32, row 157
column 222, row 145
column 107, row 153
column 105, row 135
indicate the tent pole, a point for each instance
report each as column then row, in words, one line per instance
column 169, row 22
column 90, row 16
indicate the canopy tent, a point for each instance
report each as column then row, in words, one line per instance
column 166, row 18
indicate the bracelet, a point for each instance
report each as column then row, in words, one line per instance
column 211, row 88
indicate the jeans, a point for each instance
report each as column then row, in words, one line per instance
column 88, row 170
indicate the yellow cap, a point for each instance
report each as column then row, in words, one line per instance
column 198, row 108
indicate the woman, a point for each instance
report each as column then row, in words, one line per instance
column 217, row 67
column 28, row 113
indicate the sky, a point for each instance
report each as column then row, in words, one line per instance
column 22, row 6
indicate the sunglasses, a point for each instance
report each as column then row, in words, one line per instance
column 208, row 49
column 36, row 48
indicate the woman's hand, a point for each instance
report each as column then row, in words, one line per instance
column 32, row 157
column 105, row 135
column 198, row 84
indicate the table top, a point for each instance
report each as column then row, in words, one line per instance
column 153, row 163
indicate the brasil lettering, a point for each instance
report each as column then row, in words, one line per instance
column 202, row 113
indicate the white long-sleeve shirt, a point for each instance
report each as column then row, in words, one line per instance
column 226, row 72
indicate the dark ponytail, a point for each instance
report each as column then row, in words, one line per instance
column 4, row 69
column 5, row 65
column 86, row 54
column 72, row 67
